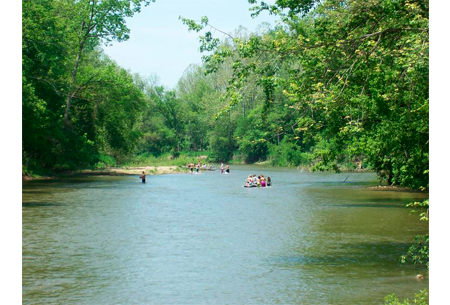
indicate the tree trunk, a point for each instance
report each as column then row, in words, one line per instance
column 73, row 85
column 389, row 179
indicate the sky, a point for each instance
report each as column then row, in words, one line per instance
column 160, row 44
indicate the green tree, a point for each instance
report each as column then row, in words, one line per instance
column 64, row 67
column 93, row 23
column 353, row 77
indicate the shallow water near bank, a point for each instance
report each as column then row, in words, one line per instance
column 204, row 239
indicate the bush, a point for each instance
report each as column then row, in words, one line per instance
column 174, row 153
column 420, row 298
column 166, row 159
column 419, row 252
column 105, row 161
column 219, row 149
column 288, row 154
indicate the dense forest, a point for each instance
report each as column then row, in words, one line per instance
column 334, row 85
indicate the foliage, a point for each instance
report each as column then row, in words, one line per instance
column 419, row 252
column 342, row 82
column 77, row 104
column 420, row 298
column 420, row 207
column 165, row 159
column 105, row 161
column 289, row 154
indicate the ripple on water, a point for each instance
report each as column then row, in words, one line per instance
column 204, row 239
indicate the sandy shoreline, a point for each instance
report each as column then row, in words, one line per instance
column 119, row 171
column 149, row 170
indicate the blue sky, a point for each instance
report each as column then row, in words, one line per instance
column 160, row 44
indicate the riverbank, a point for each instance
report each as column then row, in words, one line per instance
column 113, row 171
column 149, row 170
column 395, row 188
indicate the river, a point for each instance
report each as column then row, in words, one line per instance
column 204, row 239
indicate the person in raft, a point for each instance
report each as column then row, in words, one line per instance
column 253, row 181
column 227, row 169
column 263, row 181
column 269, row 182
column 143, row 177
column 221, row 167
column 249, row 181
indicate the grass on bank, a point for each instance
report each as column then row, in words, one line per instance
column 184, row 157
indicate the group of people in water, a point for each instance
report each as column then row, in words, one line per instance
column 227, row 168
column 199, row 167
column 251, row 181
column 257, row 181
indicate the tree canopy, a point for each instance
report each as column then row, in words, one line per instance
column 343, row 81
column 75, row 100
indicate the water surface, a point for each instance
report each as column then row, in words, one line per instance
column 204, row 239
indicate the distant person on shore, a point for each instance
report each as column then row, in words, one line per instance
column 221, row 167
column 227, row 169
column 143, row 177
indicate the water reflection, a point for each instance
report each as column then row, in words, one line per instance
column 40, row 204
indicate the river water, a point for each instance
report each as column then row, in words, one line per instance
column 204, row 239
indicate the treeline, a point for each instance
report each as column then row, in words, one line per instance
column 81, row 110
column 336, row 84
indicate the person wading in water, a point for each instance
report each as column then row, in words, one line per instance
column 143, row 177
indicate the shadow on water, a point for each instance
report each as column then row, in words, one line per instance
column 375, row 203
column 398, row 190
column 365, row 253
column 369, row 205
column 71, row 183
column 36, row 192
column 69, row 180
column 40, row 204
column 319, row 184
column 344, row 183
column 398, row 201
